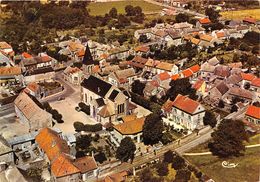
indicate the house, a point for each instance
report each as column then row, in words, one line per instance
column 34, row 89
column 207, row 71
column 234, row 80
column 203, row 22
column 173, row 38
column 30, row 112
column 166, row 67
column 10, row 174
column 247, row 78
column 10, row 76
column 255, row 87
column 131, row 127
column 191, row 73
column 222, row 71
column 122, row 78
column 142, row 49
column 117, row 177
column 200, row 87
column 107, row 102
column 213, row 61
column 245, row 95
column 6, row 152
column 64, row 166
column 218, row 92
column 249, row 20
column 39, row 75
column 151, row 89
column 184, row 111
column 138, row 62
column 150, row 65
column 73, row 75
column 146, row 32
column 6, row 48
column 121, row 52
column 253, row 114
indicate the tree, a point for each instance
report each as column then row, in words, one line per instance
column 162, row 169
column 138, row 87
column 228, row 139
column 147, row 175
column 126, row 150
column 113, row 13
column 129, row 9
column 178, row 162
column 212, row 14
column 182, row 175
column 168, row 157
column 166, row 138
column 221, row 104
column 78, row 126
column 244, row 47
column 181, row 17
column 181, row 86
column 210, row 119
column 83, row 142
column 234, row 108
column 100, row 157
column 143, row 38
column 152, row 129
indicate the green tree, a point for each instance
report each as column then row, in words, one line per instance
column 83, row 142
column 129, row 9
column 182, row 175
column 168, row 156
column 138, row 87
column 210, row 119
column 228, row 139
column 153, row 129
column 113, row 13
column 181, row 17
column 162, row 169
column 126, row 150
column 212, row 14
column 178, row 162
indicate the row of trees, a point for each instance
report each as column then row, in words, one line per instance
column 55, row 114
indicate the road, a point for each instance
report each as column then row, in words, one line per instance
column 182, row 10
column 187, row 144
column 68, row 89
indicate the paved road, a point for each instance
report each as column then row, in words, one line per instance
column 182, row 10
column 186, row 144
column 7, row 112
column 68, row 90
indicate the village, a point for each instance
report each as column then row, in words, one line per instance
column 111, row 109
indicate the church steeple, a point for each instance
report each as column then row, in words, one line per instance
column 88, row 59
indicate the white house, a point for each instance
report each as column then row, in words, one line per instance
column 253, row 114
column 73, row 75
column 122, row 78
column 184, row 111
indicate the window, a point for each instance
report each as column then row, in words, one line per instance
column 189, row 117
column 86, row 98
column 182, row 114
column 120, row 108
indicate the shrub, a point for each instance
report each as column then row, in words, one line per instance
column 85, row 108
column 93, row 128
column 100, row 157
column 162, row 169
column 78, row 126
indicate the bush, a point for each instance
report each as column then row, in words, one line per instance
column 100, row 157
column 162, row 169
column 93, row 128
column 85, row 108
column 78, row 126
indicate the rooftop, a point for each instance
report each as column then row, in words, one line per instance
column 130, row 127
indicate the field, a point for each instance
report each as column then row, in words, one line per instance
column 103, row 8
column 241, row 14
column 247, row 169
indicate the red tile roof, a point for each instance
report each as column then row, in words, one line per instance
column 220, row 34
column 195, row 68
column 250, row 20
column 204, row 21
column 26, row 55
column 85, row 164
column 142, row 49
column 130, row 127
column 50, row 142
column 253, row 111
column 63, row 166
column 175, row 77
column 248, row 76
column 164, row 76
column 33, row 86
column 185, row 103
column 187, row 73
column 198, row 84
column 256, row 82
column 167, row 106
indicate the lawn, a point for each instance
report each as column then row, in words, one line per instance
column 247, row 169
column 241, row 14
column 101, row 8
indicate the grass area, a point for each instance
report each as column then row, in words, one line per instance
column 228, row 57
column 103, row 8
column 254, row 140
column 241, row 14
column 247, row 169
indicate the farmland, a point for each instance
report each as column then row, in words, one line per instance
column 104, row 7
column 241, row 14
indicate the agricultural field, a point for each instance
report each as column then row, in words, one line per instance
column 246, row 170
column 241, row 14
column 104, row 7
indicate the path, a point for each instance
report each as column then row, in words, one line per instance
column 209, row 153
